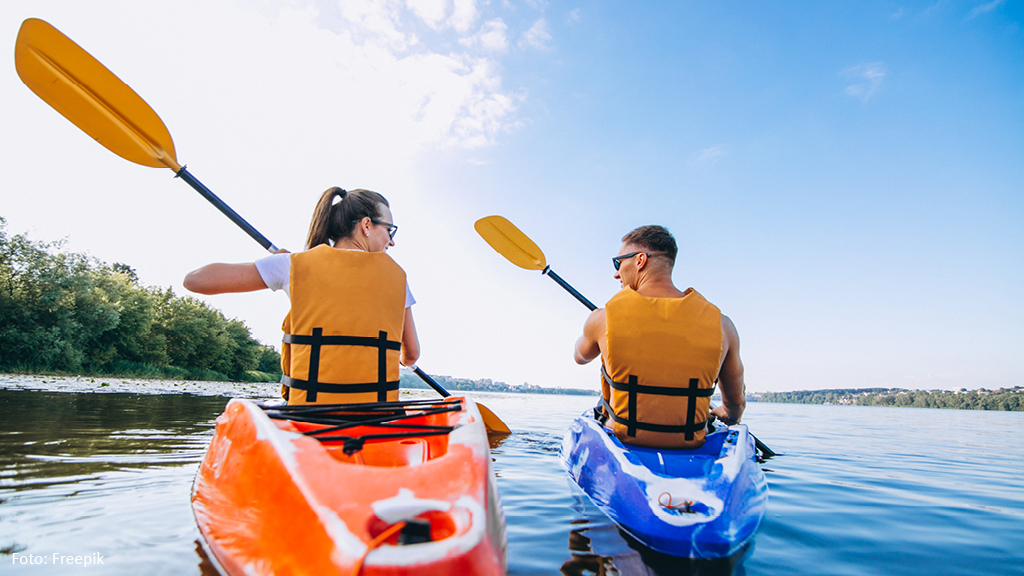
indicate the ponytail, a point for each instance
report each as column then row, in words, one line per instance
column 336, row 219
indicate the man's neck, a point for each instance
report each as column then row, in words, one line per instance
column 657, row 287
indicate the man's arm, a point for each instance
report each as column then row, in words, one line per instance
column 589, row 345
column 730, row 377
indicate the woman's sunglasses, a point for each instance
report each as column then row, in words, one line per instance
column 391, row 229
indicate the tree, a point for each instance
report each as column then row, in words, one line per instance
column 69, row 312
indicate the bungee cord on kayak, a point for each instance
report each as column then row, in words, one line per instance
column 665, row 499
column 339, row 417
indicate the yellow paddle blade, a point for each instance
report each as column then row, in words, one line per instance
column 75, row 84
column 510, row 242
column 493, row 424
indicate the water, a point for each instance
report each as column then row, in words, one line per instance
column 857, row 491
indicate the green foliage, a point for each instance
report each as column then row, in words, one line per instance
column 61, row 311
column 268, row 360
column 1008, row 399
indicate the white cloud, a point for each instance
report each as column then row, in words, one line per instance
column 464, row 15
column 492, row 37
column 867, row 79
column 431, row 96
column 432, row 12
column 985, row 8
column 537, row 37
column 707, row 156
column 573, row 17
column 379, row 18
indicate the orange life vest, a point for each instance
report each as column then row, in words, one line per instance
column 343, row 333
column 660, row 368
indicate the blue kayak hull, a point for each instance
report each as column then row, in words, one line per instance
column 702, row 503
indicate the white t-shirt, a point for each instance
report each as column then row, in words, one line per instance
column 276, row 268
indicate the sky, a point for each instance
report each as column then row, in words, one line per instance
column 845, row 180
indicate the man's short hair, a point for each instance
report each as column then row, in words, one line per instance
column 654, row 239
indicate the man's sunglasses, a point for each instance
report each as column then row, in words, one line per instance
column 617, row 261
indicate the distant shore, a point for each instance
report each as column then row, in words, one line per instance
column 410, row 380
column 1003, row 399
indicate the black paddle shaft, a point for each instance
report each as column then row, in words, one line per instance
column 225, row 209
column 430, row 381
column 558, row 280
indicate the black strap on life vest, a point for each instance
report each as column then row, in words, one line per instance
column 313, row 385
column 693, row 391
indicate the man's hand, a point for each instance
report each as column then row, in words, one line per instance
column 723, row 416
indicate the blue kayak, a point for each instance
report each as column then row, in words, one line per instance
column 701, row 503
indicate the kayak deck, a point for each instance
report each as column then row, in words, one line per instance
column 383, row 488
column 374, row 435
column 696, row 463
column 702, row 503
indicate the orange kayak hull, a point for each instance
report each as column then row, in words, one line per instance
column 269, row 499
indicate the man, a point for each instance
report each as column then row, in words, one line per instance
column 662, row 350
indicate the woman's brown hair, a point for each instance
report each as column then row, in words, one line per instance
column 334, row 220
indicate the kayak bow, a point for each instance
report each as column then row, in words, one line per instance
column 701, row 503
column 384, row 488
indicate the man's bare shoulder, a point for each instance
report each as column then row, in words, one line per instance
column 729, row 333
column 595, row 323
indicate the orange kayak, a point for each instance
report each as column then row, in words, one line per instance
column 385, row 488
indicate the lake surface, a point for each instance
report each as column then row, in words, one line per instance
column 857, row 490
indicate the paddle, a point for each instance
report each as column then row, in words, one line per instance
column 511, row 243
column 85, row 92
column 517, row 247
column 491, row 421
column 89, row 95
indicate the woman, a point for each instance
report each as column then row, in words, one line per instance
column 350, row 322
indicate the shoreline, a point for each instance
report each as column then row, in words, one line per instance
column 228, row 389
column 112, row 384
column 264, row 391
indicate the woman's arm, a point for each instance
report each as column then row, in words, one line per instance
column 410, row 341
column 220, row 278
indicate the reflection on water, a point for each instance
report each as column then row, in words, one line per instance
column 600, row 547
column 857, row 491
column 107, row 475
column 56, row 438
